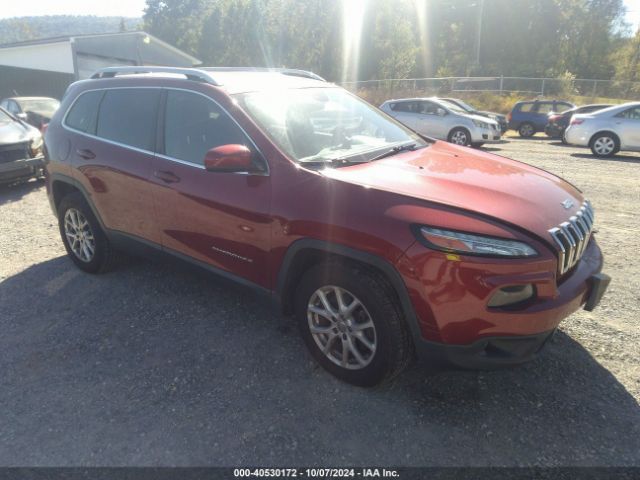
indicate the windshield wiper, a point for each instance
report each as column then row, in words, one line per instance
column 395, row 150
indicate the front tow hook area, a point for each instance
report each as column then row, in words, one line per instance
column 598, row 285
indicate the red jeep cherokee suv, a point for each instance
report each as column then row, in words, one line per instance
column 381, row 242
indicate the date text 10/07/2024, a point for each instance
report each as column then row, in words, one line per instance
column 316, row 472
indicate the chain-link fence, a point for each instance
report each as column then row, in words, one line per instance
column 534, row 87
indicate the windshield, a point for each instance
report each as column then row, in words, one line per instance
column 5, row 117
column 42, row 106
column 465, row 106
column 325, row 124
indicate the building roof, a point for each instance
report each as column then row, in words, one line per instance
column 92, row 42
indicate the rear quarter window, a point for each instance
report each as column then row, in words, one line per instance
column 128, row 116
column 83, row 112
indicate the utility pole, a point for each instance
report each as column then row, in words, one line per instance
column 479, row 39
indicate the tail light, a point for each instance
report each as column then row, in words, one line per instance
column 554, row 118
column 509, row 117
column 576, row 121
column 43, row 128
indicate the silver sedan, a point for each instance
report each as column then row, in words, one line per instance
column 443, row 120
column 607, row 131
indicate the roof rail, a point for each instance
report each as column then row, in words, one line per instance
column 190, row 73
column 285, row 71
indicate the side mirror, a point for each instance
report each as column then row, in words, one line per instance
column 441, row 112
column 228, row 158
column 22, row 116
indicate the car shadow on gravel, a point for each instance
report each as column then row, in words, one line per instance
column 614, row 158
column 156, row 364
column 13, row 192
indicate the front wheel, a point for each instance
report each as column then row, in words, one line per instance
column 604, row 145
column 352, row 323
column 459, row 136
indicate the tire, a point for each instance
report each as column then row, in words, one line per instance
column 459, row 136
column 604, row 144
column 75, row 218
column 526, row 130
column 477, row 144
column 389, row 349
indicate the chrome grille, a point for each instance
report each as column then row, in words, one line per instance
column 572, row 237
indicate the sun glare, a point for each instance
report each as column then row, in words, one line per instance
column 352, row 18
column 422, row 13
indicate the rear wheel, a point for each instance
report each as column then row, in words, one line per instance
column 352, row 323
column 83, row 238
column 459, row 136
column 526, row 130
column 604, row 144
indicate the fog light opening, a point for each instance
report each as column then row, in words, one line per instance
column 511, row 295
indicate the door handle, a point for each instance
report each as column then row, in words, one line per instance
column 85, row 153
column 167, row 177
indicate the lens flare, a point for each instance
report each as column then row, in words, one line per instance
column 352, row 18
column 422, row 14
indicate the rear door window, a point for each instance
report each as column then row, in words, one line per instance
column 525, row 107
column 544, row 107
column 128, row 116
column 83, row 113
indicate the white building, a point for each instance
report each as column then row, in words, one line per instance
column 46, row 67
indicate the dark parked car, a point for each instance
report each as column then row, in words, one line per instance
column 501, row 119
column 529, row 118
column 557, row 123
column 36, row 111
column 20, row 149
column 381, row 242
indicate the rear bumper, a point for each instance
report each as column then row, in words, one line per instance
column 553, row 130
column 19, row 169
column 577, row 135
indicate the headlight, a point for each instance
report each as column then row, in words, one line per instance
column 471, row 244
column 36, row 146
column 480, row 124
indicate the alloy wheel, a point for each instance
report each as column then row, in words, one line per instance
column 342, row 327
column 604, row 145
column 459, row 138
column 526, row 130
column 79, row 235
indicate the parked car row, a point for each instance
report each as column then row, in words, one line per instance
column 604, row 128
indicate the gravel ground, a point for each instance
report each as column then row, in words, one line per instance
column 158, row 364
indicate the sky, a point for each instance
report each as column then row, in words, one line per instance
column 134, row 8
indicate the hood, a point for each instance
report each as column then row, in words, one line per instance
column 479, row 118
column 494, row 114
column 480, row 182
column 16, row 132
